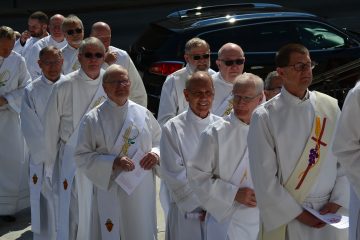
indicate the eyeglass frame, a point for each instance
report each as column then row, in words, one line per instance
column 197, row 57
column 245, row 99
column 71, row 32
column 229, row 63
column 90, row 55
column 303, row 66
column 118, row 82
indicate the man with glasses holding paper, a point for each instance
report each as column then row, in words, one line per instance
column 172, row 101
column 70, row 100
column 231, row 64
column 73, row 29
column 290, row 155
column 118, row 150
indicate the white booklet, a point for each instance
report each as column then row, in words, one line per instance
column 130, row 180
column 335, row 220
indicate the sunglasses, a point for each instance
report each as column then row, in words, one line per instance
column 72, row 31
column 229, row 63
column 93, row 55
column 198, row 57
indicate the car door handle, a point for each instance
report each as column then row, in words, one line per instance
column 256, row 67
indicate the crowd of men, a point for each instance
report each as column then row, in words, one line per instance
column 238, row 157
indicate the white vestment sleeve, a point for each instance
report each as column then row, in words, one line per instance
column 277, row 206
column 95, row 165
column 347, row 138
column 216, row 195
column 168, row 99
column 155, row 130
column 31, row 126
column 137, row 89
column 14, row 97
column 173, row 170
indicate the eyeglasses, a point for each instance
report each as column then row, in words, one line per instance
column 118, row 82
column 198, row 57
column 200, row 93
column 229, row 63
column 72, row 31
column 299, row 67
column 245, row 99
column 93, row 55
column 51, row 63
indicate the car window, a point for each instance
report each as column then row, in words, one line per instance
column 316, row 36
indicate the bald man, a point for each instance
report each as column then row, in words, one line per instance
column 113, row 55
column 56, row 39
column 230, row 62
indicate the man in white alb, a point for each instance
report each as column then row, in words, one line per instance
column 43, row 195
column 37, row 29
column 69, row 102
column 73, row 30
column 172, row 101
column 113, row 55
column 56, row 39
column 179, row 139
column 346, row 147
column 231, row 64
column 219, row 171
column 272, row 85
column 289, row 141
column 118, row 150
column 14, row 76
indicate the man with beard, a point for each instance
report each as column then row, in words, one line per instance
column 73, row 30
column 172, row 100
column 56, row 39
column 113, row 55
column 43, row 196
column 13, row 171
column 37, row 29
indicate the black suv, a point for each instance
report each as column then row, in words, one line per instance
column 260, row 29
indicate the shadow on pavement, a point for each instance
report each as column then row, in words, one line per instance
column 23, row 221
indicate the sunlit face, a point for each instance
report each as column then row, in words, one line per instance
column 296, row 82
column 104, row 35
column 117, row 86
column 200, row 96
column 198, row 58
column 236, row 58
column 91, row 59
column 36, row 28
column 73, row 34
column 6, row 46
column 55, row 28
column 51, row 65
column 246, row 99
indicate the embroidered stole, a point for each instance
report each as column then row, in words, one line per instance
column 36, row 180
column 308, row 167
column 68, row 167
column 127, row 144
column 225, row 107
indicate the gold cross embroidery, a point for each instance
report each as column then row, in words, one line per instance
column 228, row 108
column 128, row 140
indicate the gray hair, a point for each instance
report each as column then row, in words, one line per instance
column 69, row 20
column 194, row 43
column 198, row 75
column 91, row 41
column 249, row 79
column 50, row 49
column 113, row 68
column 7, row 32
column 269, row 78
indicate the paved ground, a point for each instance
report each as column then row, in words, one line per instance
column 21, row 229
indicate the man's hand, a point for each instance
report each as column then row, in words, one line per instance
column 330, row 207
column 308, row 219
column 149, row 161
column 25, row 35
column 3, row 101
column 110, row 58
column 246, row 196
column 123, row 163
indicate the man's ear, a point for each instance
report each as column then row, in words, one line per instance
column 186, row 94
column 186, row 57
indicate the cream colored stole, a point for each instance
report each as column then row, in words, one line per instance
column 68, row 167
column 127, row 144
column 308, row 167
column 225, row 107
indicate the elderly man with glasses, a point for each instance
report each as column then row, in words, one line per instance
column 69, row 102
column 231, row 64
column 219, row 171
column 73, row 30
column 290, row 141
column 272, row 85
